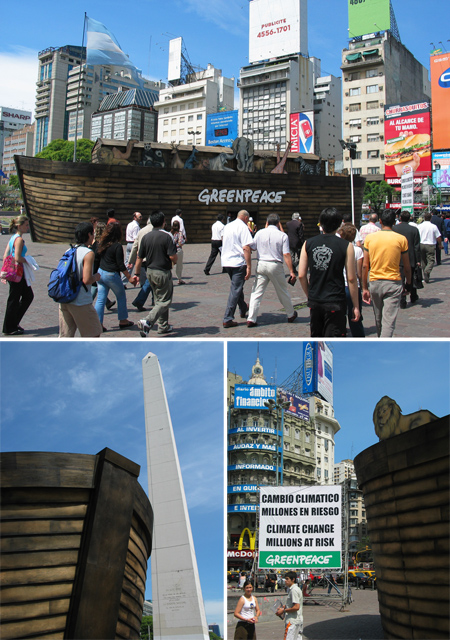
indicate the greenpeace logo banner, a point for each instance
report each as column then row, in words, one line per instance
column 253, row 396
column 300, row 527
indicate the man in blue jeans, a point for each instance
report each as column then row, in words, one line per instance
column 236, row 261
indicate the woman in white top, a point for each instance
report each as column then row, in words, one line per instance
column 247, row 612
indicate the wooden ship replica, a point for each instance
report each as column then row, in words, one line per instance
column 202, row 181
column 76, row 535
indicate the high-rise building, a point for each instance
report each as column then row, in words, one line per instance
column 327, row 114
column 377, row 70
column 126, row 115
column 20, row 143
column 52, row 121
column 182, row 109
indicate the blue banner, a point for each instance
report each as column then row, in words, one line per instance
column 253, row 396
column 243, row 488
column 221, row 128
column 242, row 507
column 309, row 385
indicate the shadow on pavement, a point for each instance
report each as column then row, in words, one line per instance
column 364, row 627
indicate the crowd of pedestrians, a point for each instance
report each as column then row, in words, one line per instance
column 341, row 270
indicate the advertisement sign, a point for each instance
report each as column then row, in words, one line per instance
column 407, row 186
column 441, row 169
column 174, row 71
column 243, row 488
column 253, row 446
column 277, row 29
column 407, row 135
column 14, row 117
column 268, row 430
column 308, row 368
column 324, row 369
column 367, row 16
column 233, row 508
column 244, row 553
column 221, row 128
column 440, row 96
column 253, row 396
column 298, row 406
column 300, row 527
column 302, row 132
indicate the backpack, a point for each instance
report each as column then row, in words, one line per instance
column 65, row 283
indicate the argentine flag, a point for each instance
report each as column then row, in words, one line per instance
column 103, row 48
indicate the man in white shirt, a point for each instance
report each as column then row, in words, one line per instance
column 429, row 237
column 370, row 227
column 216, row 241
column 236, row 261
column 293, row 609
column 178, row 217
column 272, row 247
column 132, row 230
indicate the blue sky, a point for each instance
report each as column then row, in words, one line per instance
column 214, row 32
column 80, row 397
column 415, row 374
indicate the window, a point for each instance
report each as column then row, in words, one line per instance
column 174, row 108
column 374, row 153
column 355, row 107
column 372, row 88
column 373, row 121
column 353, row 124
column 373, row 137
column 297, row 434
column 190, row 118
column 373, row 104
column 355, row 138
column 191, row 105
column 373, row 171
column 355, row 75
column 371, row 73
column 199, row 116
column 182, row 118
column 357, row 171
column 199, row 104
column 355, row 92
column 173, row 121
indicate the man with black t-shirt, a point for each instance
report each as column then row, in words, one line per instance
column 326, row 256
column 160, row 253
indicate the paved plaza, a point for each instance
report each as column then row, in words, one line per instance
column 358, row 621
column 198, row 306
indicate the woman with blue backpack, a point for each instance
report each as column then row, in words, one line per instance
column 79, row 313
column 20, row 293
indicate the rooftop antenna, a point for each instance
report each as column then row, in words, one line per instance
column 394, row 26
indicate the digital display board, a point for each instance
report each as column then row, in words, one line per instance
column 368, row 16
column 441, row 169
column 222, row 128
column 277, row 29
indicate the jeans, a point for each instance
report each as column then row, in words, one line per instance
column 143, row 294
column 111, row 280
column 236, row 296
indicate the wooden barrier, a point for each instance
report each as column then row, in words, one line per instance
column 76, row 535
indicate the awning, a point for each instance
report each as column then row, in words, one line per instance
column 352, row 57
column 371, row 52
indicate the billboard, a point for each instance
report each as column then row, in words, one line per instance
column 14, row 117
column 368, row 16
column 407, row 139
column 302, row 132
column 221, row 128
column 300, row 527
column 440, row 97
column 407, row 189
column 253, row 396
column 277, row 29
column 174, row 72
column 318, row 370
column 441, row 169
column 298, row 406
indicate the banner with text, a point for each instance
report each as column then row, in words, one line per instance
column 300, row 527
column 253, row 396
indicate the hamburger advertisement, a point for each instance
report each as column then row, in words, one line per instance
column 407, row 136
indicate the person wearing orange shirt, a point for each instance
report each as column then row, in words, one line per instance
column 383, row 253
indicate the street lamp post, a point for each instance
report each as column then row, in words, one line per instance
column 271, row 405
column 195, row 133
column 351, row 147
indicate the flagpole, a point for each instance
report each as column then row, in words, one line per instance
column 78, row 94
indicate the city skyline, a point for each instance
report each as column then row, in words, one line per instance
column 393, row 368
column 82, row 397
column 216, row 33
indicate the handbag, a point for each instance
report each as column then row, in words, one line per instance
column 417, row 278
column 11, row 270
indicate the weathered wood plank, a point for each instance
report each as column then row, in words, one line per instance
column 38, row 559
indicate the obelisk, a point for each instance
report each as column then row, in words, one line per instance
column 178, row 611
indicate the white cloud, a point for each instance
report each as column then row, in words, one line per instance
column 19, row 75
column 229, row 15
column 214, row 612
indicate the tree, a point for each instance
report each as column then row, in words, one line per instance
column 146, row 626
column 375, row 194
column 62, row 150
column 14, row 182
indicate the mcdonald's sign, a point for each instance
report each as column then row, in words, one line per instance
column 251, row 538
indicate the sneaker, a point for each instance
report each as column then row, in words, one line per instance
column 163, row 332
column 144, row 327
